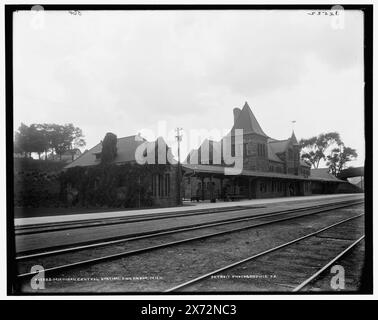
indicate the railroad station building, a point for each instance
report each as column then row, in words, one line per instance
column 270, row 167
column 163, row 187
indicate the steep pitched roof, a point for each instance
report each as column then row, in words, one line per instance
column 126, row 148
column 304, row 163
column 247, row 121
column 195, row 153
column 125, row 152
column 322, row 173
column 293, row 138
column 278, row 146
column 272, row 155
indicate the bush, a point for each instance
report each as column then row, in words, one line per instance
column 28, row 164
column 36, row 189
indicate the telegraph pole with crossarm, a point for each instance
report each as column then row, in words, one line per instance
column 179, row 138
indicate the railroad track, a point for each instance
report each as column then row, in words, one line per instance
column 260, row 221
column 329, row 264
column 59, row 249
column 54, row 251
column 87, row 223
column 252, row 259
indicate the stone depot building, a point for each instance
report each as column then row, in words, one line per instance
column 270, row 167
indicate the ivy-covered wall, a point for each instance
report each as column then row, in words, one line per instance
column 39, row 184
column 127, row 185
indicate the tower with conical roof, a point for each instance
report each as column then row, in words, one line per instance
column 246, row 120
column 255, row 148
column 296, row 150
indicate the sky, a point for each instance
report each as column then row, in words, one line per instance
column 153, row 71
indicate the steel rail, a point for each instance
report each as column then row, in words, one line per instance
column 88, row 223
column 326, row 266
column 60, row 226
column 164, row 245
column 183, row 229
column 232, row 265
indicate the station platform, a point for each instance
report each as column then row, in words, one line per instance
column 187, row 206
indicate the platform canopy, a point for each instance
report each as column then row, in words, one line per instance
column 352, row 172
column 219, row 171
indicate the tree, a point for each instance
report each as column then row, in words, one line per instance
column 21, row 140
column 75, row 134
column 63, row 138
column 48, row 131
column 338, row 158
column 29, row 139
column 109, row 148
column 16, row 146
column 37, row 139
column 48, row 137
column 314, row 149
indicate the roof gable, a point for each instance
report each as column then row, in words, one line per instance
column 126, row 148
column 247, row 121
column 272, row 155
column 194, row 156
column 279, row 146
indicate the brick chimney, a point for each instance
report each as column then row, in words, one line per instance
column 237, row 112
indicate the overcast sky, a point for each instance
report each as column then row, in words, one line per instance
column 127, row 71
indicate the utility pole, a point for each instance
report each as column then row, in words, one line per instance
column 179, row 138
column 139, row 192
